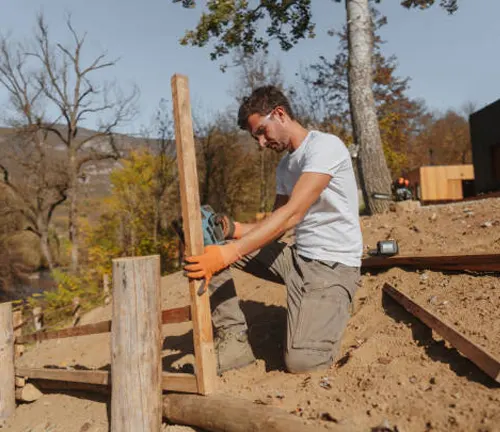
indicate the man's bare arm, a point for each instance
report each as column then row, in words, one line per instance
column 306, row 191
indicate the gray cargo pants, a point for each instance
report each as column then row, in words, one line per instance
column 319, row 296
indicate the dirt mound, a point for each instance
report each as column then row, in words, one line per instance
column 392, row 370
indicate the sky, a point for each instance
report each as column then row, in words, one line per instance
column 451, row 59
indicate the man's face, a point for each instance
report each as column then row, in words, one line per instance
column 269, row 131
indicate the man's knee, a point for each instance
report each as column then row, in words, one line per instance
column 307, row 360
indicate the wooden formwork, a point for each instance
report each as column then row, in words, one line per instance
column 203, row 381
column 137, row 318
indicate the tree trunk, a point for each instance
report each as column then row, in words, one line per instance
column 373, row 171
column 73, row 214
column 45, row 247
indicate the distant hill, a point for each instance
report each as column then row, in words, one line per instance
column 97, row 173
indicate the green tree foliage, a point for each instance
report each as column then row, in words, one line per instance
column 235, row 24
column 450, row 6
column 20, row 248
column 399, row 116
column 129, row 223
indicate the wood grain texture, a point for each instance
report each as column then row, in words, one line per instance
column 479, row 262
column 168, row 316
column 220, row 413
column 179, row 382
column 444, row 182
column 83, row 330
column 479, row 356
column 190, row 201
column 136, row 345
column 100, row 377
column 7, row 387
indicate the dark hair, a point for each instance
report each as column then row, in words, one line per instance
column 262, row 101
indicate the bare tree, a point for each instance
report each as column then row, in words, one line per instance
column 40, row 184
column 65, row 81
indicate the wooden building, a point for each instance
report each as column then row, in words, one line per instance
column 485, row 139
column 442, row 183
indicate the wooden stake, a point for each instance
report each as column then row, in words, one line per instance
column 136, row 345
column 479, row 356
column 7, row 389
column 190, row 200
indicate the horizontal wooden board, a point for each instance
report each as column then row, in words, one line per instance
column 80, row 376
column 479, row 262
column 169, row 316
column 83, row 330
column 180, row 382
column 479, row 356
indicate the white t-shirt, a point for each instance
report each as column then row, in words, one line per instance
column 330, row 229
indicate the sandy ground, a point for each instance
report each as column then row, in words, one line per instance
column 392, row 371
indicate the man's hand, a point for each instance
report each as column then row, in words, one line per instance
column 214, row 259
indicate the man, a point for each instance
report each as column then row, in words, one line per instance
column 316, row 195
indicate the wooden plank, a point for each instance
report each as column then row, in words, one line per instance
column 176, row 315
column 136, row 345
column 80, row 376
column 479, row 356
column 190, row 202
column 168, row 316
column 179, row 382
column 7, row 386
column 83, row 330
column 54, row 385
column 479, row 262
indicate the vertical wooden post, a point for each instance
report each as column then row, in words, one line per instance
column 136, row 345
column 190, row 200
column 7, row 389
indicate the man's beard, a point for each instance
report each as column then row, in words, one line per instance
column 275, row 146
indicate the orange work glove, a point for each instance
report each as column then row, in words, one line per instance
column 214, row 259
